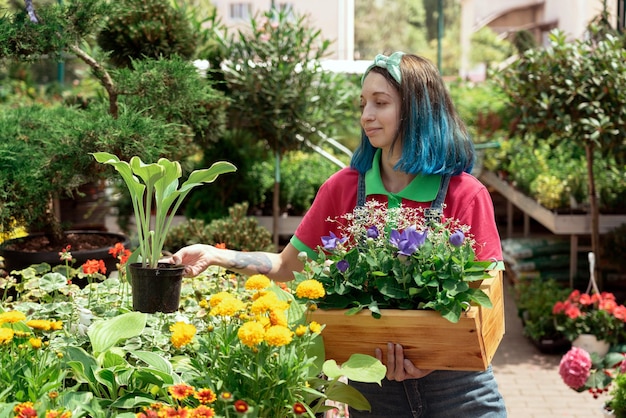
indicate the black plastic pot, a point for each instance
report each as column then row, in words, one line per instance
column 156, row 290
column 18, row 260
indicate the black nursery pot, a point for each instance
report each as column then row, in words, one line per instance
column 156, row 290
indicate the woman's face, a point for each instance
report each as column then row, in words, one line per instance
column 380, row 110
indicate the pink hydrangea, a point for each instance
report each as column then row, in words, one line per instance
column 575, row 367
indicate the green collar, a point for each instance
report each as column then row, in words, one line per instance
column 421, row 189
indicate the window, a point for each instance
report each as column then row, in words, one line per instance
column 240, row 11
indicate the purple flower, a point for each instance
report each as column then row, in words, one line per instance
column 457, row 238
column 331, row 242
column 342, row 265
column 372, row 232
column 407, row 241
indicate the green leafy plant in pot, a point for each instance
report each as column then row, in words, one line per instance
column 155, row 186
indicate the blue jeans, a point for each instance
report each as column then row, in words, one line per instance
column 440, row 394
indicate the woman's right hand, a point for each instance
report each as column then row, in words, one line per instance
column 196, row 258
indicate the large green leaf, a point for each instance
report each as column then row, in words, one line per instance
column 105, row 334
column 359, row 368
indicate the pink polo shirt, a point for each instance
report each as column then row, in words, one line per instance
column 467, row 200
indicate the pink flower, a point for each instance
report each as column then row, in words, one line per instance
column 575, row 367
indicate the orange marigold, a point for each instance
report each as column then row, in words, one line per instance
column 205, row 396
column 181, row 391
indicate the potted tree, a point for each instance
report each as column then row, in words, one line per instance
column 58, row 139
column 574, row 93
column 156, row 286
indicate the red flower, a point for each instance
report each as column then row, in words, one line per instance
column 586, row 299
column 118, row 251
column 299, row 409
column 205, row 396
column 241, row 406
column 94, row 266
column 597, row 314
column 620, row 312
column 25, row 410
column 203, row 411
column 572, row 311
column 181, row 391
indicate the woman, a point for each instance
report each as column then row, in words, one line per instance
column 414, row 151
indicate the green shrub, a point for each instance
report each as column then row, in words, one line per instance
column 243, row 149
column 301, row 175
column 146, row 29
column 617, row 402
column 236, row 232
column 534, row 299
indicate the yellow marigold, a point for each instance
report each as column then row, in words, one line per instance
column 204, row 303
column 263, row 320
column 228, row 307
column 315, row 327
column 257, row 282
column 56, row 325
column 251, row 333
column 182, row 334
column 40, row 324
column 35, row 343
column 301, row 330
column 278, row 318
column 11, row 317
column 310, row 289
column 6, row 335
column 268, row 302
column 278, row 335
column 218, row 297
column 58, row 414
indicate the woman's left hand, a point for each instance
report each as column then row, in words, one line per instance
column 399, row 368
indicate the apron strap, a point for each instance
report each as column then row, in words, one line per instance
column 434, row 212
column 360, row 192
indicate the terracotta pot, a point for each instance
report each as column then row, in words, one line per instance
column 16, row 259
column 156, row 290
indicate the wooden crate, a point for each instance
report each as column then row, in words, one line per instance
column 430, row 341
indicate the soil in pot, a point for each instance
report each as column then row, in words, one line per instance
column 20, row 253
column 156, row 290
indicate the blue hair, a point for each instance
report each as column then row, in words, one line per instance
column 433, row 137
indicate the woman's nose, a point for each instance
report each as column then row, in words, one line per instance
column 367, row 114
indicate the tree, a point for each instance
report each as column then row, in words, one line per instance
column 574, row 93
column 388, row 26
column 277, row 86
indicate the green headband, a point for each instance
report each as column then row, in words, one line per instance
column 390, row 63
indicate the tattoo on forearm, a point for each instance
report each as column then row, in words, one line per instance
column 255, row 261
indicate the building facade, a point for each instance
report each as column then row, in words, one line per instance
column 335, row 18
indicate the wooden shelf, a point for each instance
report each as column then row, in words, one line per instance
column 559, row 224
